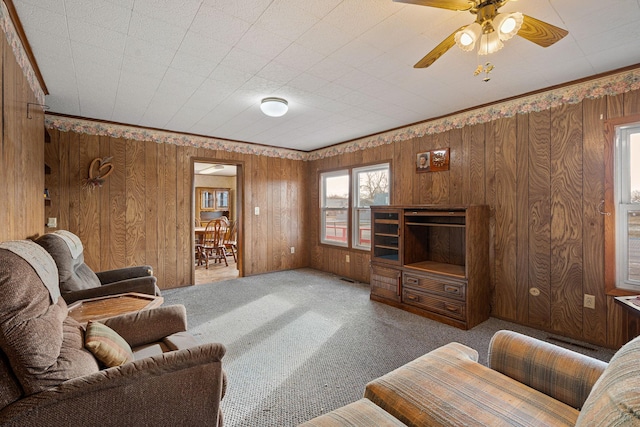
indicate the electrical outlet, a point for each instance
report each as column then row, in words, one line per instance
column 347, row 259
column 256, row 210
column 293, row 250
column 589, row 301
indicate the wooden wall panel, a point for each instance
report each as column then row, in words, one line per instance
column 539, row 218
column 566, row 218
column 477, row 172
column 88, row 216
column 104, row 210
column 594, row 320
column 490, row 199
column 505, row 217
column 117, row 206
column 21, row 154
column 152, row 205
column 522, row 218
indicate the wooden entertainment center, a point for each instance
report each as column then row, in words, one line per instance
column 432, row 260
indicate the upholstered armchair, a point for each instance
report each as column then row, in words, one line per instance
column 78, row 281
column 51, row 375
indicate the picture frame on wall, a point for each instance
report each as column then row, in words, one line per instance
column 433, row 160
column 422, row 162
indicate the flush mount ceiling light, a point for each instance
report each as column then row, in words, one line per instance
column 274, row 107
column 211, row 169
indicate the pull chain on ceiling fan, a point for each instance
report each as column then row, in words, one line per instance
column 490, row 29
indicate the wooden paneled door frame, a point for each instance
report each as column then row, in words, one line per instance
column 239, row 209
column 609, row 204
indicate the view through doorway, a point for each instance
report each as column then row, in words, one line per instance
column 216, row 190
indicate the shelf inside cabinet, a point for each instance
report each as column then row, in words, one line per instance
column 387, row 247
column 453, row 270
column 435, row 224
column 387, row 221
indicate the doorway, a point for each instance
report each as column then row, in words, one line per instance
column 217, row 194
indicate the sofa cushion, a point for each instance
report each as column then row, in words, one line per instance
column 615, row 398
column 448, row 387
column 555, row 371
column 73, row 273
column 362, row 413
column 108, row 347
column 42, row 346
column 10, row 389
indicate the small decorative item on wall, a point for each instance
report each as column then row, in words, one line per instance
column 99, row 170
column 433, row 161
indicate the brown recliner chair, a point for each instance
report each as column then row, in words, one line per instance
column 78, row 281
column 48, row 377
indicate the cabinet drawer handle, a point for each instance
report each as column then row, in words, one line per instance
column 452, row 308
column 411, row 280
column 413, row 298
column 452, row 289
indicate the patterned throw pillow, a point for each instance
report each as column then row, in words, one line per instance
column 106, row 345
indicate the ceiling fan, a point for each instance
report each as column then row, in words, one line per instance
column 490, row 28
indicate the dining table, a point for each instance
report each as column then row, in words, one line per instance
column 199, row 232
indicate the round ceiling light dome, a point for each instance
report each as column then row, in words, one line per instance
column 274, row 107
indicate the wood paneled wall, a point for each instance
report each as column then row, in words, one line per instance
column 21, row 154
column 143, row 213
column 542, row 174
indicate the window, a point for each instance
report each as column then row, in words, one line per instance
column 627, row 191
column 346, row 198
column 370, row 187
column 335, row 207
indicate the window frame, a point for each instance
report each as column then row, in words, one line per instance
column 356, row 209
column 609, row 210
column 623, row 205
column 324, row 209
column 352, row 208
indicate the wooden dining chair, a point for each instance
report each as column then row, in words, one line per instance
column 230, row 240
column 212, row 245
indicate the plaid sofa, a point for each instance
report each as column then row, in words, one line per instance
column 528, row 382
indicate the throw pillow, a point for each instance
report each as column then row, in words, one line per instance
column 106, row 345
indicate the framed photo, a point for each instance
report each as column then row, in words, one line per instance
column 433, row 161
column 423, row 162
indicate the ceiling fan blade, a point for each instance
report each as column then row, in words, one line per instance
column 438, row 51
column 540, row 32
column 442, row 4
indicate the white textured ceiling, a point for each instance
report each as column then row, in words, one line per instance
column 345, row 66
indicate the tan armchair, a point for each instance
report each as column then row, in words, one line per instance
column 48, row 377
column 78, row 281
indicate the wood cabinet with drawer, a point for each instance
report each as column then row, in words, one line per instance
column 442, row 265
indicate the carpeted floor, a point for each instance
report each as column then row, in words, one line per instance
column 301, row 343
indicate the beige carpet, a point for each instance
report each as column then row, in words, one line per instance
column 301, row 343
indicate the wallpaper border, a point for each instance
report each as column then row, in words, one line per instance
column 611, row 85
column 18, row 51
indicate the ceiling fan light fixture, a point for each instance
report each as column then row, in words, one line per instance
column 274, row 107
column 490, row 43
column 466, row 38
column 507, row 25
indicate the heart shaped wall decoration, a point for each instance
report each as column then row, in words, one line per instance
column 99, row 170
